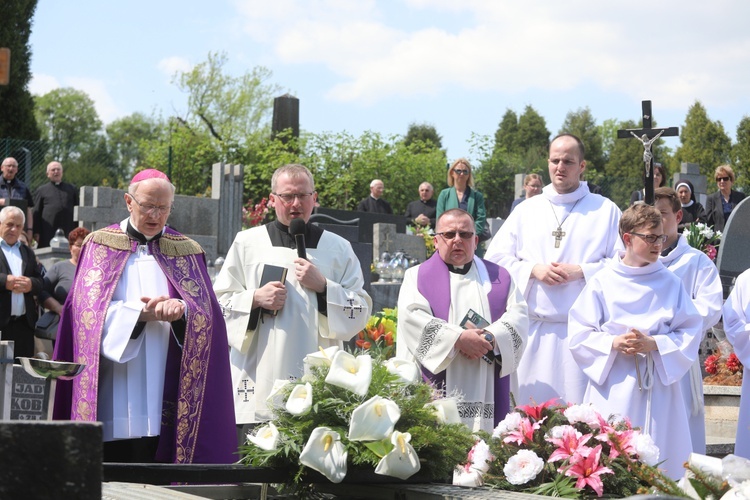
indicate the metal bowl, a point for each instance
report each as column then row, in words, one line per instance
column 42, row 368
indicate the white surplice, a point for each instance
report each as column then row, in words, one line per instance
column 737, row 329
column 701, row 280
column 275, row 348
column 653, row 300
column 131, row 371
column 590, row 223
column 430, row 341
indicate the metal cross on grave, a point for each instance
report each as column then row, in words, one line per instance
column 648, row 136
column 244, row 390
column 351, row 307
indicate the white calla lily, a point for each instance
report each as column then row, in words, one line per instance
column 446, row 410
column 276, row 397
column 322, row 357
column 325, row 453
column 351, row 373
column 407, row 370
column 373, row 420
column 266, row 437
column 300, row 400
column 402, row 461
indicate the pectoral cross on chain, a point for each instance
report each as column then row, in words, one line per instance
column 351, row 307
column 244, row 390
column 558, row 234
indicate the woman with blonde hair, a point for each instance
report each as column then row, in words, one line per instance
column 720, row 204
column 461, row 194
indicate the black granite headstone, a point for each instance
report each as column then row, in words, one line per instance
column 30, row 397
column 734, row 257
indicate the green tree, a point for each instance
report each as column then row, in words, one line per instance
column 425, row 134
column 94, row 167
column 532, row 133
column 495, row 174
column 125, row 136
column 582, row 124
column 741, row 155
column 16, row 102
column 68, row 122
column 507, row 132
column 703, row 142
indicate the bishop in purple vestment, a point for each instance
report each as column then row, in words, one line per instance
column 143, row 318
column 465, row 322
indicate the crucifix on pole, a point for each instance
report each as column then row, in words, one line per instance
column 647, row 136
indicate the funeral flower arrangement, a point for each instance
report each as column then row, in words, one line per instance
column 723, row 367
column 379, row 335
column 561, row 450
column 353, row 411
column 428, row 235
column 254, row 215
column 703, row 237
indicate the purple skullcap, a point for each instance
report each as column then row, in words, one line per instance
column 149, row 173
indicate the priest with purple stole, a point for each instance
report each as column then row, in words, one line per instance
column 465, row 322
column 142, row 317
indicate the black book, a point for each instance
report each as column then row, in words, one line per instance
column 474, row 320
column 272, row 273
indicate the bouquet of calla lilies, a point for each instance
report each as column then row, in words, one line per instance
column 352, row 411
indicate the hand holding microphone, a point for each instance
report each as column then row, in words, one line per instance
column 306, row 273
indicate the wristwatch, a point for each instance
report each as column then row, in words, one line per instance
column 489, row 338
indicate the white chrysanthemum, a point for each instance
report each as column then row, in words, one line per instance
column 523, row 467
column 558, row 431
column 508, row 424
column 481, row 457
column 583, row 413
column 646, row 449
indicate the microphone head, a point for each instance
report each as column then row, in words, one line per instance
column 296, row 226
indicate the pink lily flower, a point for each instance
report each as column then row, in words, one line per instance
column 525, row 432
column 535, row 412
column 568, row 444
column 587, row 469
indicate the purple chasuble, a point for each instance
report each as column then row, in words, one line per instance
column 433, row 282
column 198, row 423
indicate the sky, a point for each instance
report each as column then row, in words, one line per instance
column 380, row 65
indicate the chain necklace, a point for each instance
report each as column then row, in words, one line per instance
column 559, row 233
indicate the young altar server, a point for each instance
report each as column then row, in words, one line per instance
column 737, row 328
column 635, row 333
column 701, row 280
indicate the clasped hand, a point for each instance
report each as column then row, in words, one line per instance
column 472, row 344
column 162, row 308
column 634, row 342
column 18, row 284
column 557, row 273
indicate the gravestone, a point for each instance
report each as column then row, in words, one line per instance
column 366, row 221
column 6, row 378
column 30, row 396
column 734, row 257
column 386, row 238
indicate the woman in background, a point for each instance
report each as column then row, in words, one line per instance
column 692, row 211
column 660, row 180
column 720, row 204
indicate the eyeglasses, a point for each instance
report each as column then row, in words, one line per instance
column 288, row 198
column 153, row 210
column 652, row 239
column 449, row 235
column 460, row 171
column 724, row 179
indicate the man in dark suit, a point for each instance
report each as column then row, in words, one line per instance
column 721, row 203
column 19, row 283
column 53, row 206
column 424, row 209
column 375, row 203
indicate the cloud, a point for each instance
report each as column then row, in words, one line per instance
column 511, row 47
column 171, row 65
column 40, row 84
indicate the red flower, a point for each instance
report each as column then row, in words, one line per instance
column 712, row 364
column 535, row 412
column 525, row 432
column 710, row 250
column 363, row 344
column 567, row 445
column 733, row 363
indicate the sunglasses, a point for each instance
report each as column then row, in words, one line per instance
column 725, row 179
column 449, row 235
column 460, row 171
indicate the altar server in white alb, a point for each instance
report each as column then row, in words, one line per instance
column 701, row 280
column 272, row 326
column 635, row 333
column 552, row 245
column 436, row 296
column 737, row 328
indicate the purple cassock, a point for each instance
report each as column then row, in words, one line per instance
column 198, row 424
column 433, row 282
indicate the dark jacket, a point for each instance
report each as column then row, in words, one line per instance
column 30, row 270
column 715, row 210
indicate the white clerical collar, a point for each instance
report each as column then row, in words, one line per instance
column 559, row 199
column 124, row 227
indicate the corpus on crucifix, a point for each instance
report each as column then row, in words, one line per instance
column 647, row 136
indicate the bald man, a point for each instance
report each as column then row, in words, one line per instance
column 375, row 202
column 53, row 206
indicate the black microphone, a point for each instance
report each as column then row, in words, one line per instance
column 297, row 229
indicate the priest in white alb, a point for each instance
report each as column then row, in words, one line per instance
column 469, row 360
column 702, row 282
column 272, row 326
column 552, row 245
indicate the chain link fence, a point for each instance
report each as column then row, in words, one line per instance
column 32, row 158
